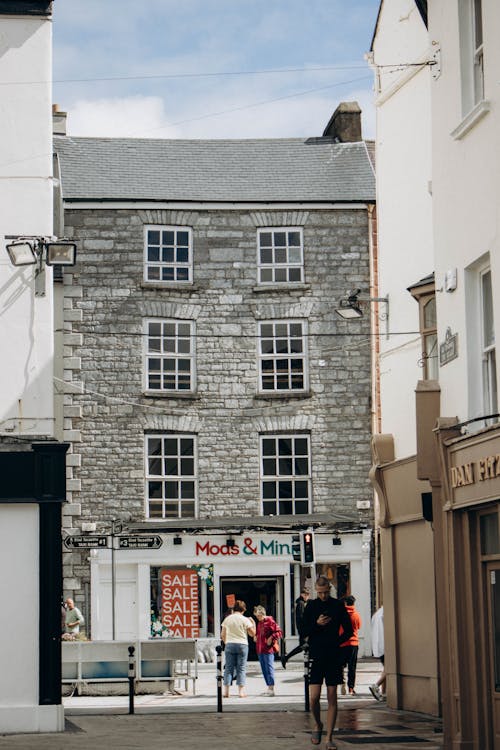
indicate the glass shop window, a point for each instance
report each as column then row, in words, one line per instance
column 182, row 601
column 339, row 575
column 488, row 529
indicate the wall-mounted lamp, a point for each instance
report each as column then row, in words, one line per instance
column 177, row 539
column 349, row 306
column 230, row 542
column 336, row 540
column 30, row 251
column 352, row 306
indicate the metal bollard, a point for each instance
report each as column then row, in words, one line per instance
column 131, row 678
column 218, row 650
column 305, row 648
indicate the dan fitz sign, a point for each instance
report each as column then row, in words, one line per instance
column 179, row 602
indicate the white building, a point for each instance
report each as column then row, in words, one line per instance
column 400, row 55
column 465, row 96
column 31, row 462
column 453, row 480
column 404, row 205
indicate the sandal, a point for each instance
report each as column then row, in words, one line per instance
column 316, row 735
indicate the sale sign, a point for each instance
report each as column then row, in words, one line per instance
column 179, row 602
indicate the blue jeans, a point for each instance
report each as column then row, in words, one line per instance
column 236, row 661
column 267, row 666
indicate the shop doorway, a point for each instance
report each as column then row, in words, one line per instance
column 493, row 578
column 266, row 591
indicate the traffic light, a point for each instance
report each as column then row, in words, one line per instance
column 296, row 547
column 307, row 547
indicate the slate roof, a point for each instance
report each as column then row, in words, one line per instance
column 279, row 169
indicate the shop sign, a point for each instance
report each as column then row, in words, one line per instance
column 86, row 541
column 179, row 603
column 248, row 548
column 475, row 471
column 139, row 542
column 448, row 349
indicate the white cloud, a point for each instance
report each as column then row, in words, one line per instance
column 118, row 117
column 223, row 116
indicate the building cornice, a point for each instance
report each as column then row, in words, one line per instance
column 25, row 7
column 208, row 206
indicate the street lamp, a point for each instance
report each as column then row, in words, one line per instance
column 351, row 307
column 30, row 251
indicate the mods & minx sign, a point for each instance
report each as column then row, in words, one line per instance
column 248, row 547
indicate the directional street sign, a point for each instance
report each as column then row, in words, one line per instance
column 139, row 542
column 75, row 542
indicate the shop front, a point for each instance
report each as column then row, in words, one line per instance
column 184, row 588
column 467, row 525
column 406, row 584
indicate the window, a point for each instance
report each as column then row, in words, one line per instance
column 285, row 474
column 282, row 357
column 170, row 355
column 423, row 292
column 168, row 254
column 429, row 338
column 471, row 52
column 488, row 344
column 170, row 476
column 280, row 256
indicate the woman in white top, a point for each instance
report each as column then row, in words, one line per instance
column 235, row 631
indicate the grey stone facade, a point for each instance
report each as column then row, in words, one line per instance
column 107, row 413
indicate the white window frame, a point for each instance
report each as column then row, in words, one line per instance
column 488, row 350
column 278, row 338
column 430, row 359
column 280, row 264
column 171, row 350
column 471, row 54
column 177, row 264
column 280, row 477
column 166, row 478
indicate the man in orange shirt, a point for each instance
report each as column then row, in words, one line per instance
column 351, row 646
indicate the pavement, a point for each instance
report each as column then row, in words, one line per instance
column 187, row 722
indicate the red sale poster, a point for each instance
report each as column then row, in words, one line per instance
column 179, row 602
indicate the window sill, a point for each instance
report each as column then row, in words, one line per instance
column 177, row 286
column 471, row 119
column 281, row 396
column 284, row 287
column 188, row 395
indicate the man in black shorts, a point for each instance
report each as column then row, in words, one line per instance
column 321, row 624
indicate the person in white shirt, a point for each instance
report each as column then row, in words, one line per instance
column 378, row 688
column 74, row 618
column 235, row 631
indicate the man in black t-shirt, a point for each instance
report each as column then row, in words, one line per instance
column 321, row 624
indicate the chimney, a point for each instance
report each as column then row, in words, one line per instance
column 58, row 120
column 345, row 123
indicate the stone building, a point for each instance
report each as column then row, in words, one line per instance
column 215, row 403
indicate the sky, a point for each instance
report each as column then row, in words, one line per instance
column 211, row 68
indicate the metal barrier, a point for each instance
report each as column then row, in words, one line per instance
column 305, row 648
column 158, row 660
column 218, row 650
column 131, row 678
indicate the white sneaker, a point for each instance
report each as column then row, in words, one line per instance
column 269, row 693
column 375, row 691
